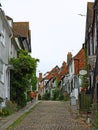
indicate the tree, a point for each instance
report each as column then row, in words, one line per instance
column 22, row 76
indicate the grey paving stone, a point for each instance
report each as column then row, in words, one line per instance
column 52, row 115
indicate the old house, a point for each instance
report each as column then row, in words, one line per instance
column 62, row 77
column 91, row 43
column 5, row 40
column 93, row 56
column 13, row 36
column 51, row 79
column 12, row 52
column 95, row 44
column 75, row 65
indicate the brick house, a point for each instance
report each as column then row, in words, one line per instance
column 75, row 65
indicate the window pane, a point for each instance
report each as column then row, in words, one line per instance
column 1, row 66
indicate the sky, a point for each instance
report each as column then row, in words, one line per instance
column 56, row 27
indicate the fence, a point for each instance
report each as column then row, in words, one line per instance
column 84, row 102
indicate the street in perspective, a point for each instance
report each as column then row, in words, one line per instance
column 52, row 115
column 36, row 92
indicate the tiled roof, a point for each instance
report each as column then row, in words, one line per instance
column 48, row 76
column 57, row 72
column 63, row 70
column 21, row 29
column 53, row 73
column 79, row 61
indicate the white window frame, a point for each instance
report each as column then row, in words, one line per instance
column 2, row 71
column 2, row 37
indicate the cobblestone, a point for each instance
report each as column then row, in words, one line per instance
column 52, row 115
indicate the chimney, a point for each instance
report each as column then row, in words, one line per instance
column 40, row 76
column 69, row 57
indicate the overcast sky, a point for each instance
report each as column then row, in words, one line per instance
column 56, row 28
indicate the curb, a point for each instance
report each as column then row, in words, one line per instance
column 6, row 122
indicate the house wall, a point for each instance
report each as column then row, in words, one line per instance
column 5, row 39
column 13, row 49
column 71, row 74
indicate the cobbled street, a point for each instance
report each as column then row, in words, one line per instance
column 52, row 115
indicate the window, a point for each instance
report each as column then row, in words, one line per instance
column 1, row 71
column 2, row 38
column 1, row 66
column 2, row 35
column 91, row 47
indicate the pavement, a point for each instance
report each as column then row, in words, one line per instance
column 71, row 113
column 5, row 122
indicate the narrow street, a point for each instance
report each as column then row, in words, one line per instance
column 52, row 115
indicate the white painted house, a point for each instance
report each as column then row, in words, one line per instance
column 76, row 64
column 13, row 36
column 5, row 40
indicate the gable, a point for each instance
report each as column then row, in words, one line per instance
column 21, row 29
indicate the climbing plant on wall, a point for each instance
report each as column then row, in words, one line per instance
column 22, row 76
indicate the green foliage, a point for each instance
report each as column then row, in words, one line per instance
column 96, row 120
column 56, row 94
column 61, row 97
column 9, row 109
column 28, row 96
column 96, row 125
column 34, row 81
column 11, row 105
column 66, row 97
column 57, row 83
column 39, row 97
column 46, row 96
column 84, row 81
column 5, row 112
column 22, row 76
